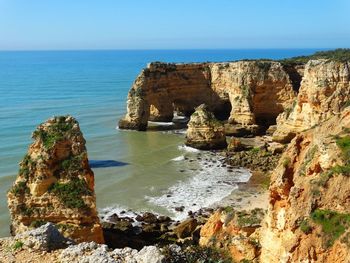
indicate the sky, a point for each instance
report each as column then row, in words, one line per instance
column 173, row 24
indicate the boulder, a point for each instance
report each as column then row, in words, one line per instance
column 186, row 228
column 44, row 238
column 205, row 131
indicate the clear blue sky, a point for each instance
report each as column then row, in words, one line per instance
column 173, row 24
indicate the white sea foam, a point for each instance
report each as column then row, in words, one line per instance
column 179, row 158
column 158, row 123
column 107, row 212
column 209, row 185
column 188, row 149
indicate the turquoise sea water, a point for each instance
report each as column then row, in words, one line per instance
column 92, row 86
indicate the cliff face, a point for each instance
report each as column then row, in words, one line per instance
column 308, row 218
column 245, row 92
column 55, row 183
column 257, row 90
column 161, row 88
column 323, row 93
column 205, row 131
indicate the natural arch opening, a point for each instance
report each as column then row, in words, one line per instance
column 223, row 112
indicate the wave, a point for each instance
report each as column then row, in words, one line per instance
column 209, row 185
column 188, row 149
column 179, row 158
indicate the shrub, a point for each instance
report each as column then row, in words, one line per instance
column 19, row 188
column 54, row 133
column 264, row 65
column 26, row 211
column 286, row 162
column 344, row 144
column 196, row 254
column 305, row 226
column 251, row 218
column 37, row 223
column 71, row 193
column 333, row 224
column 18, row 245
column 340, row 54
column 255, row 150
column 340, row 169
column 73, row 163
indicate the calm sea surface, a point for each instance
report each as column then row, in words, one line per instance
column 155, row 173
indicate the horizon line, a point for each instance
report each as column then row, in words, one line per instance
column 167, row 49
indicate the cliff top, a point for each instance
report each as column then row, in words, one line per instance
column 340, row 54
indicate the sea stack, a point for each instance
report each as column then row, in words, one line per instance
column 204, row 131
column 56, row 184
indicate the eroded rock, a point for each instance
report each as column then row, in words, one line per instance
column 309, row 216
column 55, row 183
column 205, row 131
column 324, row 92
column 247, row 93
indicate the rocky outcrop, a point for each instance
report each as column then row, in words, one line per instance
column 236, row 232
column 55, row 184
column 205, row 131
column 244, row 92
column 324, row 91
column 308, row 218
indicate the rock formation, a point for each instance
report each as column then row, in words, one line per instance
column 205, row 131
column 324, row 91
column 235, row 232
column 308, row 218
column 55, row 183
column 244, row 92
column 309, row 214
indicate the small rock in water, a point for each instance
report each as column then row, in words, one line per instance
column 179, row 208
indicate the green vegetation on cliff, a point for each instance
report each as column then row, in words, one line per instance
column 333, row 224
column 54, row 133
column 71, row 193
column 340, row 54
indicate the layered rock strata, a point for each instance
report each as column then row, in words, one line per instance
column 205, row 131
column 308, row 218
column 55, row 184
column 324, row 91
column 244, row 92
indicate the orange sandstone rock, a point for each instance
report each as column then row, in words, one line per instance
column 55, row 184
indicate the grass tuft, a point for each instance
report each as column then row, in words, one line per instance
column 333, row 224
column 71, row 193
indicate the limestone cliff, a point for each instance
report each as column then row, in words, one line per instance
column 245, row 92
column 55, row 183
column 308, row 218
column 205, row 131
column 324, row 91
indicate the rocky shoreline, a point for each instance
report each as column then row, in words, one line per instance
column 293, row 208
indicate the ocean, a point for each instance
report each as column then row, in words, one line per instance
column 151, row 170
